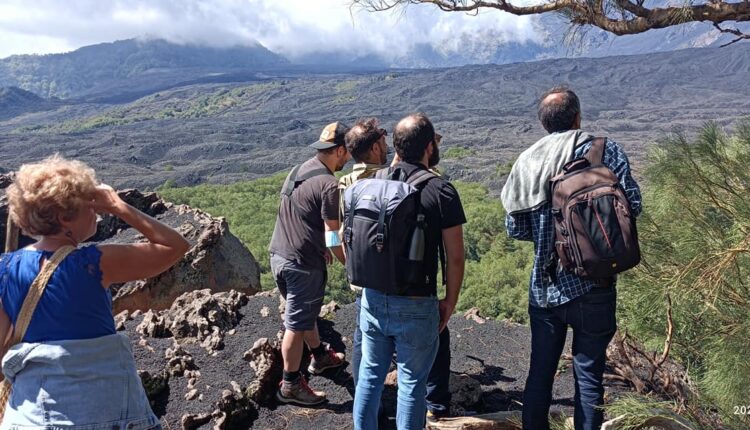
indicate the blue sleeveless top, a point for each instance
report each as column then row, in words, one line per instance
column 74, row 304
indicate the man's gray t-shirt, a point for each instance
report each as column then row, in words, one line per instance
column 299, row 231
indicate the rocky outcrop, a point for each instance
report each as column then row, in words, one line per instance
column 217, row 260
column 198, row 316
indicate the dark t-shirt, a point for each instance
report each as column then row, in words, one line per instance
column 442, row 208
column 299, row 231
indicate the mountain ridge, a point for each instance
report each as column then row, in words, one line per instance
column 95, row 68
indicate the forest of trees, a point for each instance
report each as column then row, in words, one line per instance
column 689, row 296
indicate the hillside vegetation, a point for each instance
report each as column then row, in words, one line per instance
column 497, row 268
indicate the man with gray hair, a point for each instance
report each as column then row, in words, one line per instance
column 558, row 298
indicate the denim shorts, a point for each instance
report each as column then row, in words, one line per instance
column 302, row 288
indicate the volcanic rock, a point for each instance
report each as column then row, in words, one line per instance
column 232, row 410
column 327, row 311
column 473, row 315
column 217, row 259
column 155, row 385
column 193, row 421
column 265, row 359
column 178, row 361
column 198, row 316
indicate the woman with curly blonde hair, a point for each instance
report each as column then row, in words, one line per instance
column 69, row 367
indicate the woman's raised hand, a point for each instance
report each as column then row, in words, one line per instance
column 106, row 200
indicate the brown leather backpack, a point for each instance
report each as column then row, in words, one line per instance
column 595, row 232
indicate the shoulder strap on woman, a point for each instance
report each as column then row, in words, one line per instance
column 35, row 293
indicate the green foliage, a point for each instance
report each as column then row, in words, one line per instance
column 696, row 244
column 457, row 152
column 156, row 107
column 504, row 169
column 497, row 268
column 346, row 86
column 635, row 411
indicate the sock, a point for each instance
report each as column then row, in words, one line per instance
column 319, row 351
column 291, row 376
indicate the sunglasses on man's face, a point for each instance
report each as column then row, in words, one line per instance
column 438, row 138
column 383, row 132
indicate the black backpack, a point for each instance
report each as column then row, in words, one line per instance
column 384, row 229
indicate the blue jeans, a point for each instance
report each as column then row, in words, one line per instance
column 592, row 318
column 438, row 382
column 408, row 326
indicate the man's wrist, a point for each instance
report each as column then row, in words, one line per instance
column 450, row 301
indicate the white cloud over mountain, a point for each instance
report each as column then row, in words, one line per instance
column 293, row 28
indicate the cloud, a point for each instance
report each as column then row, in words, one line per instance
column 291, row 27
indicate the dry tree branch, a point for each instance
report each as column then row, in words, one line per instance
column 638, row 19
column 735, row 31
column 670, row 332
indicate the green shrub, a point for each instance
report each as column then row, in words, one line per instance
column 695, row 239
column 457, row 152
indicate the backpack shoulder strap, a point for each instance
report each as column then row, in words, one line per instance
column 595, row 154
column 294, row 178
column 420, row 178
column 311, row 174
column 291, row 180
column 384, row 173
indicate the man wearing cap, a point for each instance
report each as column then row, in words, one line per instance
column 305, row 235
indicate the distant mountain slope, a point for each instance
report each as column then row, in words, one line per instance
column 98, row 67
column 224, row 132
column 15, row 101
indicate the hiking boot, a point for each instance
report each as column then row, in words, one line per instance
column 329, row 360
column 299, row 393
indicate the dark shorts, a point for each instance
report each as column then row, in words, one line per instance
column 302, row 288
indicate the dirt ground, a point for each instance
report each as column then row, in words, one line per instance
column 495, row 353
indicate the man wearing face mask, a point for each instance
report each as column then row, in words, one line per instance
column 304, row 237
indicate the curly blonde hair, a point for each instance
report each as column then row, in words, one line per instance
column 44, row 192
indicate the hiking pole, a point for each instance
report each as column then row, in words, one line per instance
column 11, row 235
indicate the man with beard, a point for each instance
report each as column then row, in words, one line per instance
column 305, row 235
column 409, row 323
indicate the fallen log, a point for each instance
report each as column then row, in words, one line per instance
column 507, row 420
column 664, row 420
